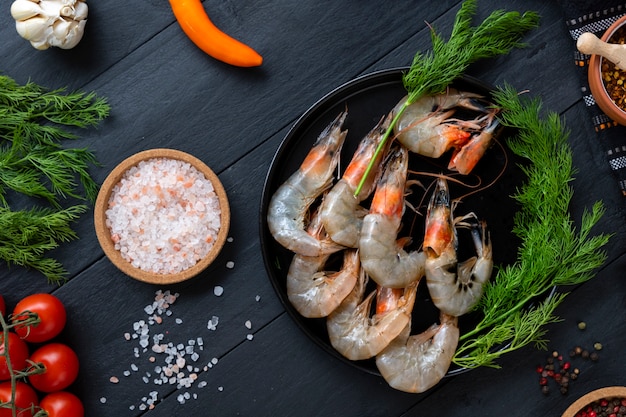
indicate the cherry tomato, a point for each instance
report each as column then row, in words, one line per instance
column 62, row 404
column 25, row 398
column 60, row 364
column 18, row 353
column 52, row 316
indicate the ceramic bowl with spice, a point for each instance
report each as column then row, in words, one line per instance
column 608, row 401
column 162, row 216
column 606, row 81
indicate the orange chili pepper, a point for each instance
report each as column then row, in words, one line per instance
column 194, row 21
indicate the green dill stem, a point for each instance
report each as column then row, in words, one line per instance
column 501, row 317
column 380, row 146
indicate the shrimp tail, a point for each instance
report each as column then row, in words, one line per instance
column 440, row 231
column 469, row 154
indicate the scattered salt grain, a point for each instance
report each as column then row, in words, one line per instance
column 212, row 324
column 163, row 215
column 179, row 321
column 114, row 380
column 248, row 324
column 257, row 298
column 218, row 290
column 250, row 336
column 230, row 264
column 229, row 239
column 103, row 400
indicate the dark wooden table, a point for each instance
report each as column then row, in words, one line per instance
column 165, row 92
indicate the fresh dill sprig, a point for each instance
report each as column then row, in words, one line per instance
column 26, row 236
column 432, row 72
column 552, row 253
column 33, row 121
column 33, row 161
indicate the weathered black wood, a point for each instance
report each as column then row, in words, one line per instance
column 165, row 92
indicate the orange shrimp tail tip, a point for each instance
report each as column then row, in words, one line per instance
column 327, row 145
column 439, row 228
column 389, row 195
column 387, row 298
column 364, row 154
column 466, row 159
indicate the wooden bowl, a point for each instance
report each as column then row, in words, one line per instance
column 593, row 396
column 598, row 89
column 103, row 232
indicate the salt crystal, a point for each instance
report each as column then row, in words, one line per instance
column 220, row 389
column 249, row 336
column 257, row 298
column 230, row 264
column 218, row 290
column 212, row 325
column 248, row 324
column 103, row 400
column 179, row 321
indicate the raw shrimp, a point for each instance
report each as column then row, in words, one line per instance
column 341, row 213
column 290, row 203
column 316, row 293
column 468, row 156
column 454, row 289
column 382, row 254
column 356, row 335
column 417, row 363
column 426, row 128
column 312, row 291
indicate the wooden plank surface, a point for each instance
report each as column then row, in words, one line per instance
column 164, row 92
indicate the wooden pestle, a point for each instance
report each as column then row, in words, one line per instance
column 589, row 44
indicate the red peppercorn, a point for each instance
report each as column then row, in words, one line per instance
column 567, row 365
column 543, row 381
column 591, row 413
column 539, row 369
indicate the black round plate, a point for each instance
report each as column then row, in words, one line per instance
column 368, row 98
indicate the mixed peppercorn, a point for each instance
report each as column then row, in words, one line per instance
column 606, row 407
column 561, row 370
column 614, row 78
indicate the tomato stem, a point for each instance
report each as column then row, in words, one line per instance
column 5, row 340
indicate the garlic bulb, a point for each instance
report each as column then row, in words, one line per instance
column 47, row 23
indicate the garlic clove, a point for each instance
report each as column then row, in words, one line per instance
column 80, row 10
column 24, row 9
column 33, row 28
column 74, row 34
column 60, row 29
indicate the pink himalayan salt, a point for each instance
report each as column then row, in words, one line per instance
column 163, row 215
